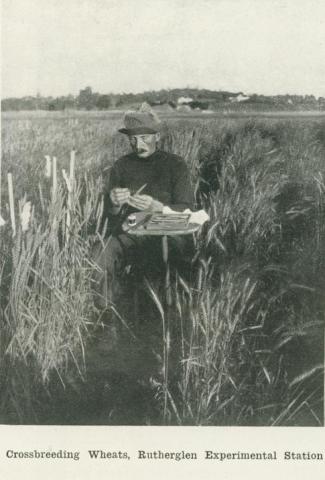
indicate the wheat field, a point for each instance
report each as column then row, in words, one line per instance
column 243, row 343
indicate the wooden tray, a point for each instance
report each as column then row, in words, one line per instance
column 161, row 221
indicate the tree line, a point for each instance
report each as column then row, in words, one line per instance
column 203, row 99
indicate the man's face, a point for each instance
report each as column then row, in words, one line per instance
column 145, row 144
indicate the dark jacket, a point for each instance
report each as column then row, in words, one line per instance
column 166, row 175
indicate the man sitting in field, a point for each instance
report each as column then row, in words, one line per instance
column 163, row 179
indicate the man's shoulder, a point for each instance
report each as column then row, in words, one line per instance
column 170, row 155
column 115, row 168
column 172, row 158
column 121, row 162
column 124, row 159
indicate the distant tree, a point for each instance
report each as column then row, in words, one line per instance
column 103, row 102
column 29, row 103
column 201, row 105
column 70, row 101
column 87, row 99
column 202, row 98
column 321, row 103
column 8, row 104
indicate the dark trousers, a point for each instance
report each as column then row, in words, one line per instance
column 144, row 253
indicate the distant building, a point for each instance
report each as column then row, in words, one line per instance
column 184, row 100
column 239, row 98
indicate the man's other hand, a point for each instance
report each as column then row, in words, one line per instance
column 145, row 202
column 119, row 196
column 141, row 202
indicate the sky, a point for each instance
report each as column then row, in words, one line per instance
column 57, row 47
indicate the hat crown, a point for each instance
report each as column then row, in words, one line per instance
column 143, row 119
column 138, row 119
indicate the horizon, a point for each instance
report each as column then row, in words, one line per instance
column 124, row 46
column 158, row 90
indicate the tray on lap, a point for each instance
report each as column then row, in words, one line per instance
column 160, row 221
column 160, row 224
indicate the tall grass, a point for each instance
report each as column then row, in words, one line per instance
column 261, row 301
column 243, row 344
column 47, row 302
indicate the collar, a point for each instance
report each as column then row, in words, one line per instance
column 154, row 156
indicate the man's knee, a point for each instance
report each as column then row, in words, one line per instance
column 112, row 253
column 108, row 258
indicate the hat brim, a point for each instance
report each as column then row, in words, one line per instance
column 137, row 130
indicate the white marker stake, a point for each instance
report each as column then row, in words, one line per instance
column 11, row 204
column 55, row 180
column 69, row 187
column 0, row 184
column 2, row 222
column 72, row 163
column 48, row 166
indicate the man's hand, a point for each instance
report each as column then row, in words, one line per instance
column 145, row 202
column 119, row 196
column 141, row 202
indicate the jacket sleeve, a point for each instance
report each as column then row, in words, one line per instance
column 111, row 180
column 183, row 192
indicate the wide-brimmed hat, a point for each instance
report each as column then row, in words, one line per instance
column 137, row 122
